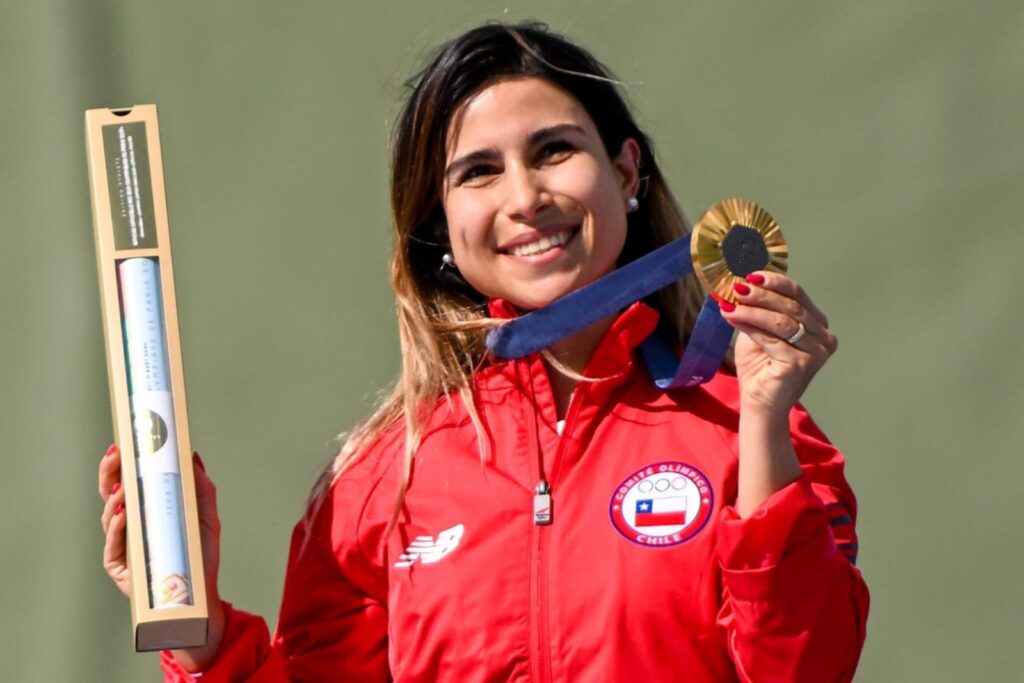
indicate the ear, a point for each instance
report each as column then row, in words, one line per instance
column 627, row 163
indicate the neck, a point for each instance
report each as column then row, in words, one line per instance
column 573, row 353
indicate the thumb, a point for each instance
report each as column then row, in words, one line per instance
column 206, row 494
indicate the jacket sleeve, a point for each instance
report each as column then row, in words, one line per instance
column 794, row 606
column 333, row 620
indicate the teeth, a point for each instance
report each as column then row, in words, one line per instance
column 542, row 245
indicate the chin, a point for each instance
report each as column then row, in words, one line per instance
column 536, row 300
column 527, row 306
column 540, row 294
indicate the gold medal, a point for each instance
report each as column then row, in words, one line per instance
column 734, row 238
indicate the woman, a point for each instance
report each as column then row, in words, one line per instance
column 556, row 517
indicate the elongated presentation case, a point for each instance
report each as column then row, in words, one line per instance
column 147, row 389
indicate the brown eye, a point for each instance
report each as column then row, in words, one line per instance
column 478, row 172
column 556, row 150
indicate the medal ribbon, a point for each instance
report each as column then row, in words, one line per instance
column 610, row 294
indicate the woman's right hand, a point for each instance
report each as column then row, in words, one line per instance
column 115, row 559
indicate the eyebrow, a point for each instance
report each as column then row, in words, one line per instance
column 544, row 134
column 537, row 137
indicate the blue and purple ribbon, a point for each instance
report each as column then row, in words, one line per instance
column 608, row 295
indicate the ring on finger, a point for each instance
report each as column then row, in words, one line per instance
column 798, row 335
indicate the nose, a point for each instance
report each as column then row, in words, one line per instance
column 526, row 194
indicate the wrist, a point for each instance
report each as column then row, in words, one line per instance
column 767, row 460
column 767, row 414
column 199, row 659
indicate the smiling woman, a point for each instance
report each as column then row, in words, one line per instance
column 535, row 206
column 567, row 520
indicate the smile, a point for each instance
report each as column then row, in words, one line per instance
column 543, row 244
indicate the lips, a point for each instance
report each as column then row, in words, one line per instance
column 540, row 242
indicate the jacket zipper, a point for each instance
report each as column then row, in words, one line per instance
column 540, row 669
column 570, row 419
column 541, row 660
column 542, row 503
column 539, row 652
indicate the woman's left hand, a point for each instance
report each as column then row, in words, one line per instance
column 784, row 340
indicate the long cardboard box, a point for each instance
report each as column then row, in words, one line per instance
column 147, row 388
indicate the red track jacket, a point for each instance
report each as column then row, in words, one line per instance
column 645, row 573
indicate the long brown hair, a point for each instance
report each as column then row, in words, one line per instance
column 441, row 319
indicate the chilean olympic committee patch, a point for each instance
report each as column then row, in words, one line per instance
column 663, row 504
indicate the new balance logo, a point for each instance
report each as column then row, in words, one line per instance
column 429, row 550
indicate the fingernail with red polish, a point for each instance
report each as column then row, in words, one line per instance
column 115, row 489
column 727, row 306
column 741, row 288
column 755, row 279
column 119, row 508
column 199, row 461
column 111, row 450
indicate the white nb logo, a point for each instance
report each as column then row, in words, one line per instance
column 428, row 550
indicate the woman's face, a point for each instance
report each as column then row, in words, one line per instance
column 535, row 207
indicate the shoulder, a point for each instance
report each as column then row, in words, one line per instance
column 371, row 463
column 336, row 555
column 369, row 470
column 381, row 459
column 334, row 515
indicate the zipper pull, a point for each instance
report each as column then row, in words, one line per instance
column 542, row 504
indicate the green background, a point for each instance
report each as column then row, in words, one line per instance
column 885, row 138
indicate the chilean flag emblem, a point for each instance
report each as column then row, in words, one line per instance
column 660, row 511
column 662, row 504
